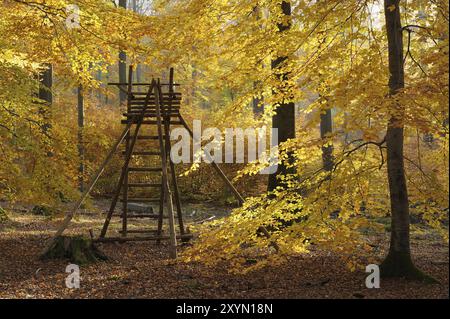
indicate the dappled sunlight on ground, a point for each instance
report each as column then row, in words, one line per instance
column 142, row 270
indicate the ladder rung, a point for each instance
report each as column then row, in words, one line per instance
column 144, row 169
column 152, row 108
column 151, row 112
column 138, row 115
column 144, row 185
column 146, row 137
column 142, row 95
column 163, row 102
column 153, row 103
column 164, row 93
column 141, row 200
column 131, row 216
column 148, row 122
column 144, row 153
column 138, row 111
column 142, row 238
column 139, row 231
column 152, row 99
column 135, row 84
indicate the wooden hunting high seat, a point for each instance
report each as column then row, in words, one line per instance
column 152, row 111
column 156, row 110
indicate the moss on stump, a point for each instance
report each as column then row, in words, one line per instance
column 400, row 265
column 79, row 250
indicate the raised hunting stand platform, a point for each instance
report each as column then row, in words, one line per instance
column 154, row 109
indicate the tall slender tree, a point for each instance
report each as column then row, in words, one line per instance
column 257, row 102
column 80, row 108
column 98, row 77
column 46, row 95
column 122, row 63
column 398, row 262
column 284, row 119
column 326, row 128
column 138, row 73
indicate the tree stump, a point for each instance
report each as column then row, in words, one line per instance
column 79, row 250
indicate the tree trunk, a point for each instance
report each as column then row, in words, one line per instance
column 326, row 128
column 257, row 103
column 122, row 64
column 138, row 67
column 108, row 71
column 138, row 73
column 98, row 77
column 45, row 94
column 284, row 119
column 81, row 138
column 398, row 262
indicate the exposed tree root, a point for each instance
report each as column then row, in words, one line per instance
column 400, row 265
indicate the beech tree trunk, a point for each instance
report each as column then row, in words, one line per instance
column 45, row 94
column 98, row 77
column 138, row 67
column 284, row 119
column 122, row 64
column 326, row 128
column 81, row 138
column 398, row 262
column 257, row 103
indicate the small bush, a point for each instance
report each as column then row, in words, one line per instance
column 42, row 210
column 3, row 216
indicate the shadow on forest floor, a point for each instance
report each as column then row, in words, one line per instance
column 141, row 270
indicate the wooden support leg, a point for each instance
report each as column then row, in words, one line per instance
column 161, row 212
column 177, row 198
column 168, row 193
column 125, row 192
column 172, row 233
column 173, row 176
column 237, row 195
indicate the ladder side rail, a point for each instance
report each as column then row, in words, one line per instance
column 236, row 193
column 168, row 148
column 127, row 150
column 130, row 87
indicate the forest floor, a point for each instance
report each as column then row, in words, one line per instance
column 142, row 270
